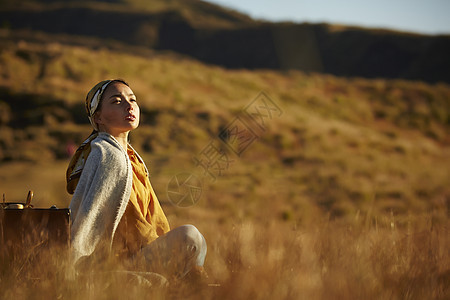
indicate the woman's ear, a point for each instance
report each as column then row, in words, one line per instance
column 97, row 118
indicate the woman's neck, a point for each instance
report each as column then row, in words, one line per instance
column 122, row 138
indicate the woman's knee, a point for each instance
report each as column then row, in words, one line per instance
column 195, row 241
column 192, row 235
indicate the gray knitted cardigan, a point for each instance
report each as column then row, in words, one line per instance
column 101, row 196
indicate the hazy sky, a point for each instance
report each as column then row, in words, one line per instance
column 422, row 16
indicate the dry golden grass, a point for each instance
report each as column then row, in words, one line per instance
column 345, row 195
column 266, row 260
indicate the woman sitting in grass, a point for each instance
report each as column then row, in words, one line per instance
column 114, row 210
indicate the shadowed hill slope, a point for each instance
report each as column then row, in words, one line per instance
column 227, row 38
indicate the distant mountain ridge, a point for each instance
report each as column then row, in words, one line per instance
column 220, row 36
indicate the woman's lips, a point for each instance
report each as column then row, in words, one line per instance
column 130, row 118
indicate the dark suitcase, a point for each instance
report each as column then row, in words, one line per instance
column 26, row 231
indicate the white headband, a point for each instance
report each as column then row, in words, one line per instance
column 95, row 102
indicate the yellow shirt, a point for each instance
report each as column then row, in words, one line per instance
column 143, row 220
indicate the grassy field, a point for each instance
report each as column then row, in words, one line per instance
column 266, row 260
column 343, row 194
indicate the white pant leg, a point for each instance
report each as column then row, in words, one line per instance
column 176, row 252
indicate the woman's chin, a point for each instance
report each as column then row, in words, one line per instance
column 134, row 125
column 131, row 126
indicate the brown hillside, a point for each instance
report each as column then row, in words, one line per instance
column 386, row 136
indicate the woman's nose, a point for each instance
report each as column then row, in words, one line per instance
column 129, row 106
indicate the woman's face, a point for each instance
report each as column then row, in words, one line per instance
column 119, row 111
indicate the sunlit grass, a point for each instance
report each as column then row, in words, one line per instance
column 271, row 259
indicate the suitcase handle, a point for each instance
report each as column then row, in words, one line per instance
column 29, row 198
column 13, row 205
